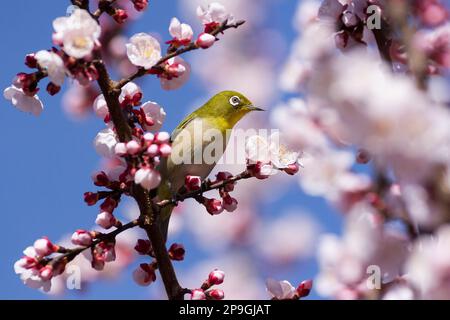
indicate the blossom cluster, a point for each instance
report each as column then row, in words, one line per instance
column 394, row 113
column 205, row 292
column 130, row 162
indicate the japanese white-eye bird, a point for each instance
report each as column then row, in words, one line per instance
column 207, row 128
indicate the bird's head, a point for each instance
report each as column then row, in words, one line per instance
column 230, row 106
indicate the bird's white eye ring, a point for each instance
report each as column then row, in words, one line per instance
column 234, row 101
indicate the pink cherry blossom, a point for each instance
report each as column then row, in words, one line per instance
column 181, row 32
column 147, row 178
column 44, row 247
column 198, row 294
column 177, row 73
column 156, row 113
column 205, row 40
column 216, row 277
column 82, row 238
column 105, row 219
column 281, row 290
column 192, row 183
column 144, row 275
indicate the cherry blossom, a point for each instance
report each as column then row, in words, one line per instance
column 53, row 64
column 82, row 237
column 213, row 15
column 280, row 290
column 100, row 107
column 105, row 220
column 144, row 275
column 205, row 40
column 105, row 142
column 147, row 178
column 177, row 73
column 181, row 32
column 198, row 294
column 427, row 267
column 78, row 33
column 216, row 277
column 22, row 101
column 131, row 92
column 143, row 50
column 156, row 113
column 43, row 247
column 267, row 155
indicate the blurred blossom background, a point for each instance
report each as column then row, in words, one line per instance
column 287, row 228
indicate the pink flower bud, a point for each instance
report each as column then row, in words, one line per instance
column 153, row 150
column 120, row 15
column 165, row 149
column 148, row 136
column 140, row 5
column 144, row 274
column 44, row 247
column 192, row 183
column 213, row 206
column 143, row 247
column 162, row 137
column 90, row 198
column 82, row 238
column 216, row 294
column 120, row 149
column 304, row 288
column 105, row 220
column 106, row 250
column 98, row 263
column 292, row 169
column 133, row 147
column 205, row 40
column 216, row 277
column 109, row 204
column 46, row 273
column 260, row 170
column 198, row 294
column 229, row 203
column 176, row 252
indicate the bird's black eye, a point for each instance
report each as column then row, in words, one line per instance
column 234, row 101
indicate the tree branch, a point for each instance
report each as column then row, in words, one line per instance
column 192, row 46
column 69, row 254
column 149, row 217
column 205, row 187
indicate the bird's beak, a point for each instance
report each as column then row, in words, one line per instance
column 253, row 108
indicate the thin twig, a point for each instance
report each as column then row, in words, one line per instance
column 192, row 46
column 69, row 254
column 205, row 187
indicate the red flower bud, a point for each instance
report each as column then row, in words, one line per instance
column 90, row 198
column 176, row 252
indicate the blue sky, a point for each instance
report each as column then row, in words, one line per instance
column 47, row 161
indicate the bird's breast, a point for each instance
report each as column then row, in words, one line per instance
column 195, row 151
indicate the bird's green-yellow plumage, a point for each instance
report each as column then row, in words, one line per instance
column 222, row 112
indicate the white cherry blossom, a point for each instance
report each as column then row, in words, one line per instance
column 53, row 64
column 143, row 50
column 23, row 102
column 78, row 33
